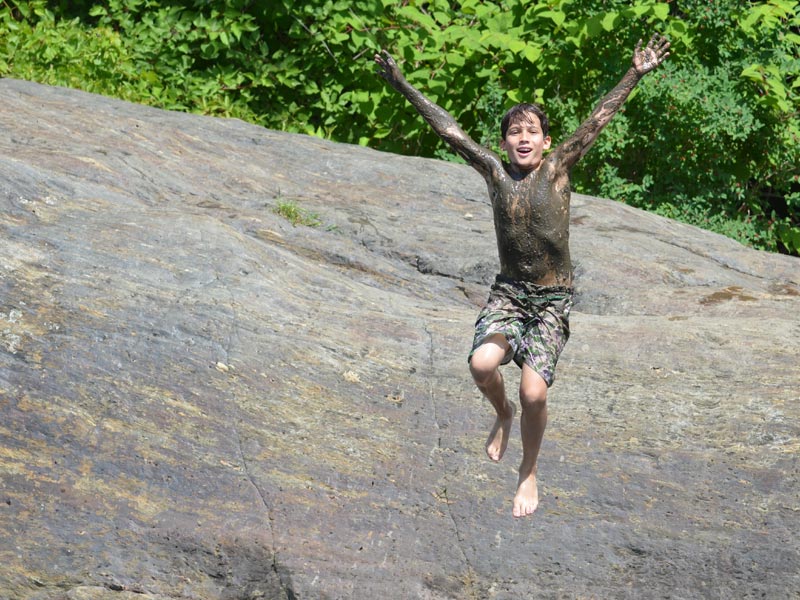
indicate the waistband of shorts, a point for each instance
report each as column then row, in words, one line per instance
column 555, row 291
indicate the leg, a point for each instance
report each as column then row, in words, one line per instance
column 533, row 399
column 484, row 367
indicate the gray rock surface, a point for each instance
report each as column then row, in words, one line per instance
column 200, row 400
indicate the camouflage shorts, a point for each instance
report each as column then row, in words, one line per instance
column 533, row 318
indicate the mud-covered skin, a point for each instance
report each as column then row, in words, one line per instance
column 531, row 219
column 531, row 204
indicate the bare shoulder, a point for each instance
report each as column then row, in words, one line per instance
column 557, row 171
column 555, row 163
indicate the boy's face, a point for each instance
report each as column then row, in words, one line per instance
column 524, row 143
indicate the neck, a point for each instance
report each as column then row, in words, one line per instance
column 518, row 172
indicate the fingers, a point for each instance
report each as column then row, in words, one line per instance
column 654, row 53
column 387, row 68
column 658, row 43
column 383, row 58
column 383, row 66
column 647, row 59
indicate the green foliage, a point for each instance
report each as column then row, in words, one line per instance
column 717, row 129
column 296, row 215
column 712, row 137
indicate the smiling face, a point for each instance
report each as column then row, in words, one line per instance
column 525, row 142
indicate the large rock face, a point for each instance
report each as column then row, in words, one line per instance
column 200, row 400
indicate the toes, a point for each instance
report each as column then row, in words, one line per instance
column 523, row 510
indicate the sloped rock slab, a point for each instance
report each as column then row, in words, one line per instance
column 199, row 400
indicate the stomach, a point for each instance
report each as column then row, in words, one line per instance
column 542, row 264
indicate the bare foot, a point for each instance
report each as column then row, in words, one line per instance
column 498, row 437
column 527, row 498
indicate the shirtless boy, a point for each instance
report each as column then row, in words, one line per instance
column 527, row 315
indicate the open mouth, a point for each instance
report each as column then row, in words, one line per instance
column 524, row 151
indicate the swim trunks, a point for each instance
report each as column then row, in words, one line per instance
column 533, row 318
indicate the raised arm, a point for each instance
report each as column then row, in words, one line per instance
column 644, row 61
column 482, row 159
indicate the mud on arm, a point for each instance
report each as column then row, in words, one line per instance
column 482, row 159
column 644, row 60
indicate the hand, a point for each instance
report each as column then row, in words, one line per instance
column 387, row 68
column 653, row 54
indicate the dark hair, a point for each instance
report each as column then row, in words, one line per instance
column 518, row 113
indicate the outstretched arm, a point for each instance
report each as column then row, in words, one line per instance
column 644, row 61
column 482, row 159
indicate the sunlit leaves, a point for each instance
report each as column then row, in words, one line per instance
column 711, row 137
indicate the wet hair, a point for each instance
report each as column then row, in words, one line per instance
column 520, row 112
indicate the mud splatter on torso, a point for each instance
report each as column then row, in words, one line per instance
column 531, row 218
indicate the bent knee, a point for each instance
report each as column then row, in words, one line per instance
column 487, row 358
column 482, row 370
column 533, row 397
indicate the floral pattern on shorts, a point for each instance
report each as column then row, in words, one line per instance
column 533, row 318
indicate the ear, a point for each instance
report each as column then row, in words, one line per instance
column 547, row 141
column 503, row 145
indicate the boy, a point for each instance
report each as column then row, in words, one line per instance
column 527, row 315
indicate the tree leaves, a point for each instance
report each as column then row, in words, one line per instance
column 306, row 66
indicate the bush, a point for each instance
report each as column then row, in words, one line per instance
column 710, row 138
